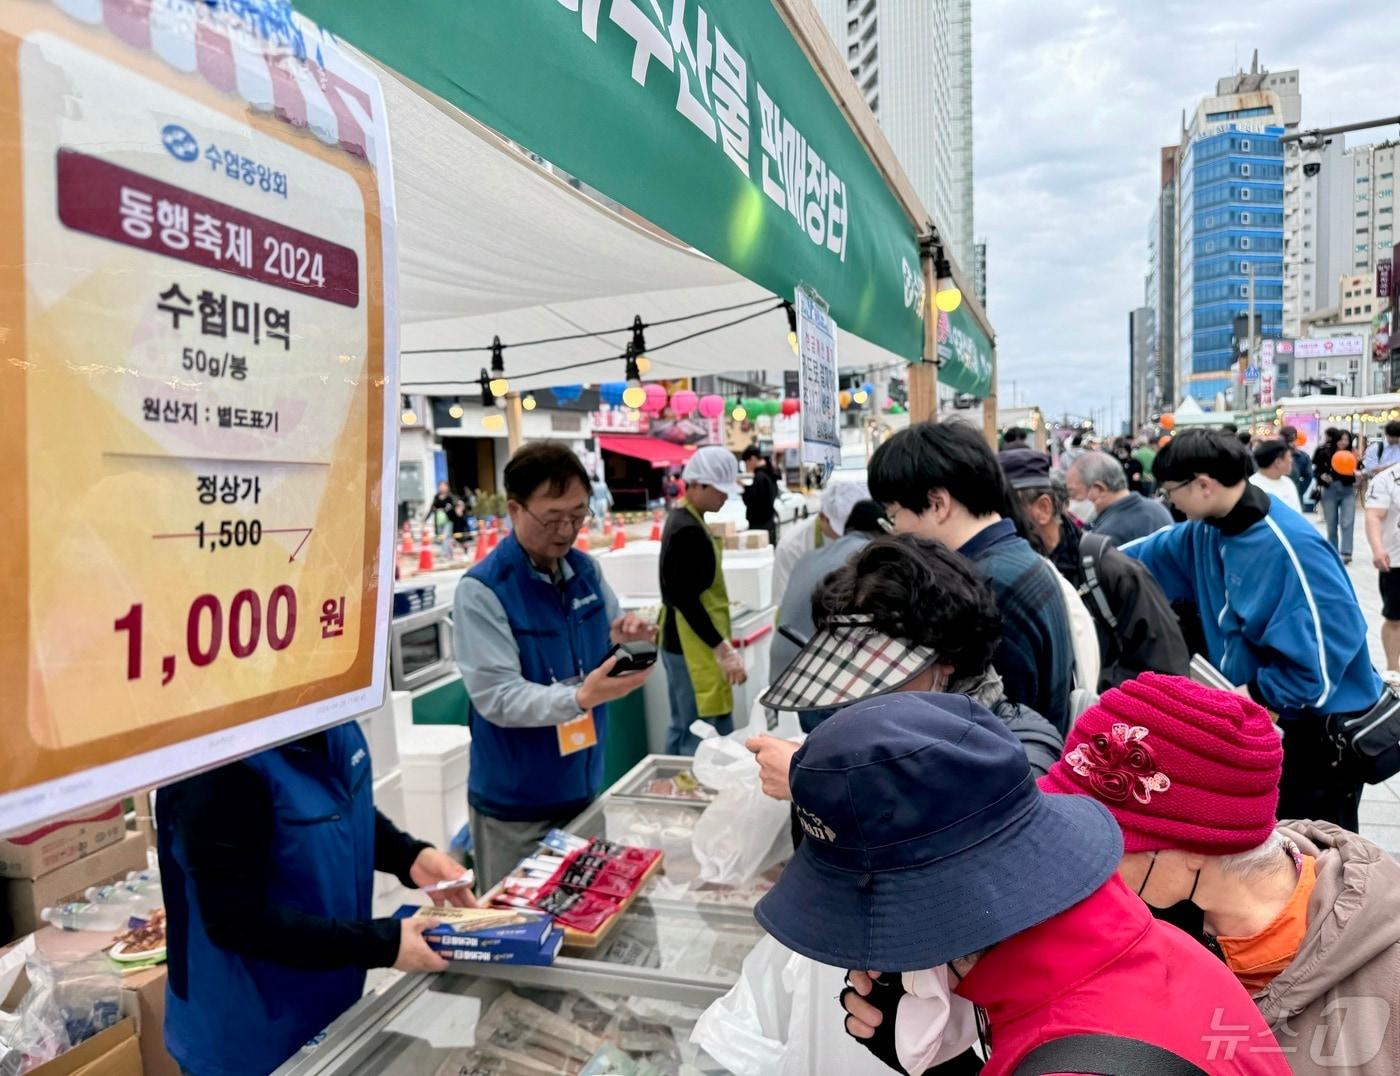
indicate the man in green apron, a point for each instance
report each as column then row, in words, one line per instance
column 700, row 662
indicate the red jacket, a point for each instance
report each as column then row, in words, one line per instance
column 1106, row 966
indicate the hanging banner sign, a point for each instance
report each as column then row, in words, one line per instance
column 818, row 385
column 194, row 394
column 703, row 116
column 1266, row 373
column 964, row 354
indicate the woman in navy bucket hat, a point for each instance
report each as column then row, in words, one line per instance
column 929, row 843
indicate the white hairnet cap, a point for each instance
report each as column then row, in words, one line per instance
column 714, row 465
column 838, row 499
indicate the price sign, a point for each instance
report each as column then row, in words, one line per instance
column 817, row 380
column 195, row 395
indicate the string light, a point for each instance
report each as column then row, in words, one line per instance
column 456, row 410
column 791, row 312
column 499, row 385
column 488, row 395
column 860, row 396
column 634, row 396
column 528, row 403
column 408, row 417
column 493, row 421
column 739, row 412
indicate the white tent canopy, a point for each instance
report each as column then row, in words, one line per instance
column 492, row 244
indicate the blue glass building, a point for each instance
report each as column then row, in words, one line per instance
column 1231, row 221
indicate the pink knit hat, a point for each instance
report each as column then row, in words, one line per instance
column 1177, row 764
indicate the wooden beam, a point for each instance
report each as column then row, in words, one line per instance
column 514, row 419
column 923, row 392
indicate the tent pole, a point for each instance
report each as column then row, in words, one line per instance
column 513, row 422
column 923, row 377
column 989, row 407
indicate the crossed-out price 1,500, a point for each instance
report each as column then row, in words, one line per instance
column 246, row 624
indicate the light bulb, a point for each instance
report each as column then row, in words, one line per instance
column 792, row 342
column 861, row 396
column 634, row 396
column 455, row 410
column 947, row 300
column 499, row 386
column 528, row 403
column 643, row 365
column 739, row 414
column 493, row 422
column 409, row 418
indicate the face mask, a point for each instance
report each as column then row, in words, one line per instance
column 1185, row 915
column 932, row 983
column 1084, row 511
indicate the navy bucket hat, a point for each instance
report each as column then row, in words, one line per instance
column 926, row 838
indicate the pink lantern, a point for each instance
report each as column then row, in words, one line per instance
column 683, row 403
column 791, row 406
column 655, row 402
column 711, row 406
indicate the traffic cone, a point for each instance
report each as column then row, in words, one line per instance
column 581, row 543
column 493, row 539
column 480, row 554
column 607, row 525
column 656, row 526
column 619, row 538
column 407, row 548
column 425, row 551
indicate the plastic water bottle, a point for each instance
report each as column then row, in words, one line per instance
column 107, row 918
column 139, row 898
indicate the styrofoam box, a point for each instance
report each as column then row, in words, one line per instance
column 748, row 575
column 389, row 798
column 378, row 727
column 434, row 761
column 634, row 571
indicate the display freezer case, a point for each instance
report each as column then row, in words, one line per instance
column 626, row 1006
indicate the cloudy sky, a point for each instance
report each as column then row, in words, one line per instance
column 1071, row 107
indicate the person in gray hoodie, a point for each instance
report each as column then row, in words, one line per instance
column 1306, row 914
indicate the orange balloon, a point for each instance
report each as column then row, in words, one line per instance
column 1168, row 421
column 1302, row 439
column 1163, row 442
column 1343, row 462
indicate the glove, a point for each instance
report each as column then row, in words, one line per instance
column 731, row 663
column 885, row 995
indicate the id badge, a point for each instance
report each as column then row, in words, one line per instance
column 577, row 735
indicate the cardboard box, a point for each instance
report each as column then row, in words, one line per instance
column 114, row 1052
column 143, row 996
column 753, row 540
column 27, row 897
column 724, row 528
column 34, row 854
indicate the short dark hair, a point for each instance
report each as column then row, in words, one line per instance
column 1015, row 435
column 1267, row 453
column 1289, row 434
column 867, row 517
column 1246, row 438
column 543, row 463
column 950, row 456
column 751, row 452
column 919, row 590
column 1392, row 429
column 1230, row 427
column 1209, row 452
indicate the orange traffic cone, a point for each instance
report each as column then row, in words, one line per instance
column 480, row 554
column 619, row 538
column 581, row 543
column 493, row 539
column 425, row 551
column 656, row 526
column 607, row 524
column 407, row 548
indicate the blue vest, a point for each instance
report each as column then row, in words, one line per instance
column 243, row 1016
column 517, row 774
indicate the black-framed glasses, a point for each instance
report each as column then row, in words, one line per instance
column 574, row 523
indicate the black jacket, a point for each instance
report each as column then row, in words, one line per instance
column 760, row 499
column 1144, row 635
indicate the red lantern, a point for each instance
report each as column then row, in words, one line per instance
column 684, row 403
column 791, row 406
column 655, row 402
column 711, row 406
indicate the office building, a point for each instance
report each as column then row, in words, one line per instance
column 1161, row 287
column 913, row 62
column 1230, row 222
column 1354, row 191
column 979, row 271
column 1141, row 333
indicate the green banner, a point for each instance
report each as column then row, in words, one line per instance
column 705, row 118
column 964, row 354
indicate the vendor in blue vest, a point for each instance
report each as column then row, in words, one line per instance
column 533, row 625
column 267, row 866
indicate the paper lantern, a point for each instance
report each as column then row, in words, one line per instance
column 610, row 392
column 566, row 394
column 711, row 406
column 655, row 401
column 1168, row 421
column 791, row 406
column 844, row 399
column 1343, row 462
column 684, row 403
column 868, row 389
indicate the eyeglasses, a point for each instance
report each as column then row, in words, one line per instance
column 1164, row 491
column 572, row 524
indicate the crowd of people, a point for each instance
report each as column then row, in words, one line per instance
column 1037, row 849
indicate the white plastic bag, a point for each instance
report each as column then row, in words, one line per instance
column 742, row 832
column 783, row 1018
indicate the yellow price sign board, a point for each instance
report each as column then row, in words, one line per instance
column 194, row 393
